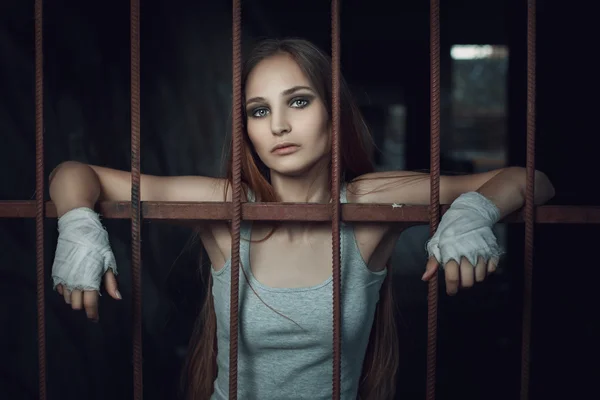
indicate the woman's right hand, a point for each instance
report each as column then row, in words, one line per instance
column 83, row 257
column 88, row 299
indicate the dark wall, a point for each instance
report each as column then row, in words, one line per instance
column 186, row 92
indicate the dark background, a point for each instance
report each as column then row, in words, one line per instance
column 186, row 92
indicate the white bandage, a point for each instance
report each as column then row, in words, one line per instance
column 83, row 253
column 466, row 231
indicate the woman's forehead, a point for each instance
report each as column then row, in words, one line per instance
column 274, row 75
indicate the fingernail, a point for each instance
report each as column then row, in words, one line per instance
column 118, row 294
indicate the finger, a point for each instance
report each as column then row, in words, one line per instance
column 451, row 271
column 480, row 269
column 76, row 300
column 90, row 303
column 59, row 289
column 67, row 296
column 430, row 269
column 110, row 283
column 467, row 273
column 492, row 265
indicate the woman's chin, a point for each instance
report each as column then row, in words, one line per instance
column 294, row 168
column 289, row 172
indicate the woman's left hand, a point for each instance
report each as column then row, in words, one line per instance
column 465, row 233
column 464, row 275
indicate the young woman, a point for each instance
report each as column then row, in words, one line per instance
column 286, row 285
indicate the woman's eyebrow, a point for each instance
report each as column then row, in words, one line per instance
column 284, row 93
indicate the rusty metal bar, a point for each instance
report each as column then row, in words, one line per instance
column 335, row 196
column 237, row 197
column 434, row 203
column 529, row 199
column 39, row 195
column 136, row 214
column 216, row 211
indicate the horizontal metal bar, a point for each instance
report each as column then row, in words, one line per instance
column 166, row 211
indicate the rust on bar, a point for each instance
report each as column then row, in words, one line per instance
column 529, row 202
column 136, row 211
column 216, row 211
column 39, row 196
column 335, row 196
column 434, row 203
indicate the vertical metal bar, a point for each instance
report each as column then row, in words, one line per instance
column 237, row 196
column 529, row 198
column 136, row 263
column 335, row 193
column 434, row 207
column 39, row 195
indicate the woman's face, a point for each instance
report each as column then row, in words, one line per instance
column 287, row 122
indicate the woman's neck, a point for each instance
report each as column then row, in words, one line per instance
column 311, row 187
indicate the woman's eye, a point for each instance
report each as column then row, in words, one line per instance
column 263, row 112
column 260, row 112
column 299, row 103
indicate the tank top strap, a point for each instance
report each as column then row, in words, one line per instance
column 343, row 196
column 251, row 196
column 246, row 228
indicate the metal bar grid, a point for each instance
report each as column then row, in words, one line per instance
column 236, row 211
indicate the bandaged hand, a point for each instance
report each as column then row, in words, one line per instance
column 464, row 243
column 83, row 256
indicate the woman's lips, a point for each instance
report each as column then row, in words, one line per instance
column 285, row 149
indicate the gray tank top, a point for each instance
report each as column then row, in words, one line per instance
column 278, row 359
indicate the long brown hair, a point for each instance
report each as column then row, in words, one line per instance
column 378, row 378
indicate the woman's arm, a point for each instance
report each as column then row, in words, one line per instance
column 505, row 187
column 74, row 184
column 507, row 190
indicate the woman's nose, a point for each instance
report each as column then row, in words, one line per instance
column 279, row 124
